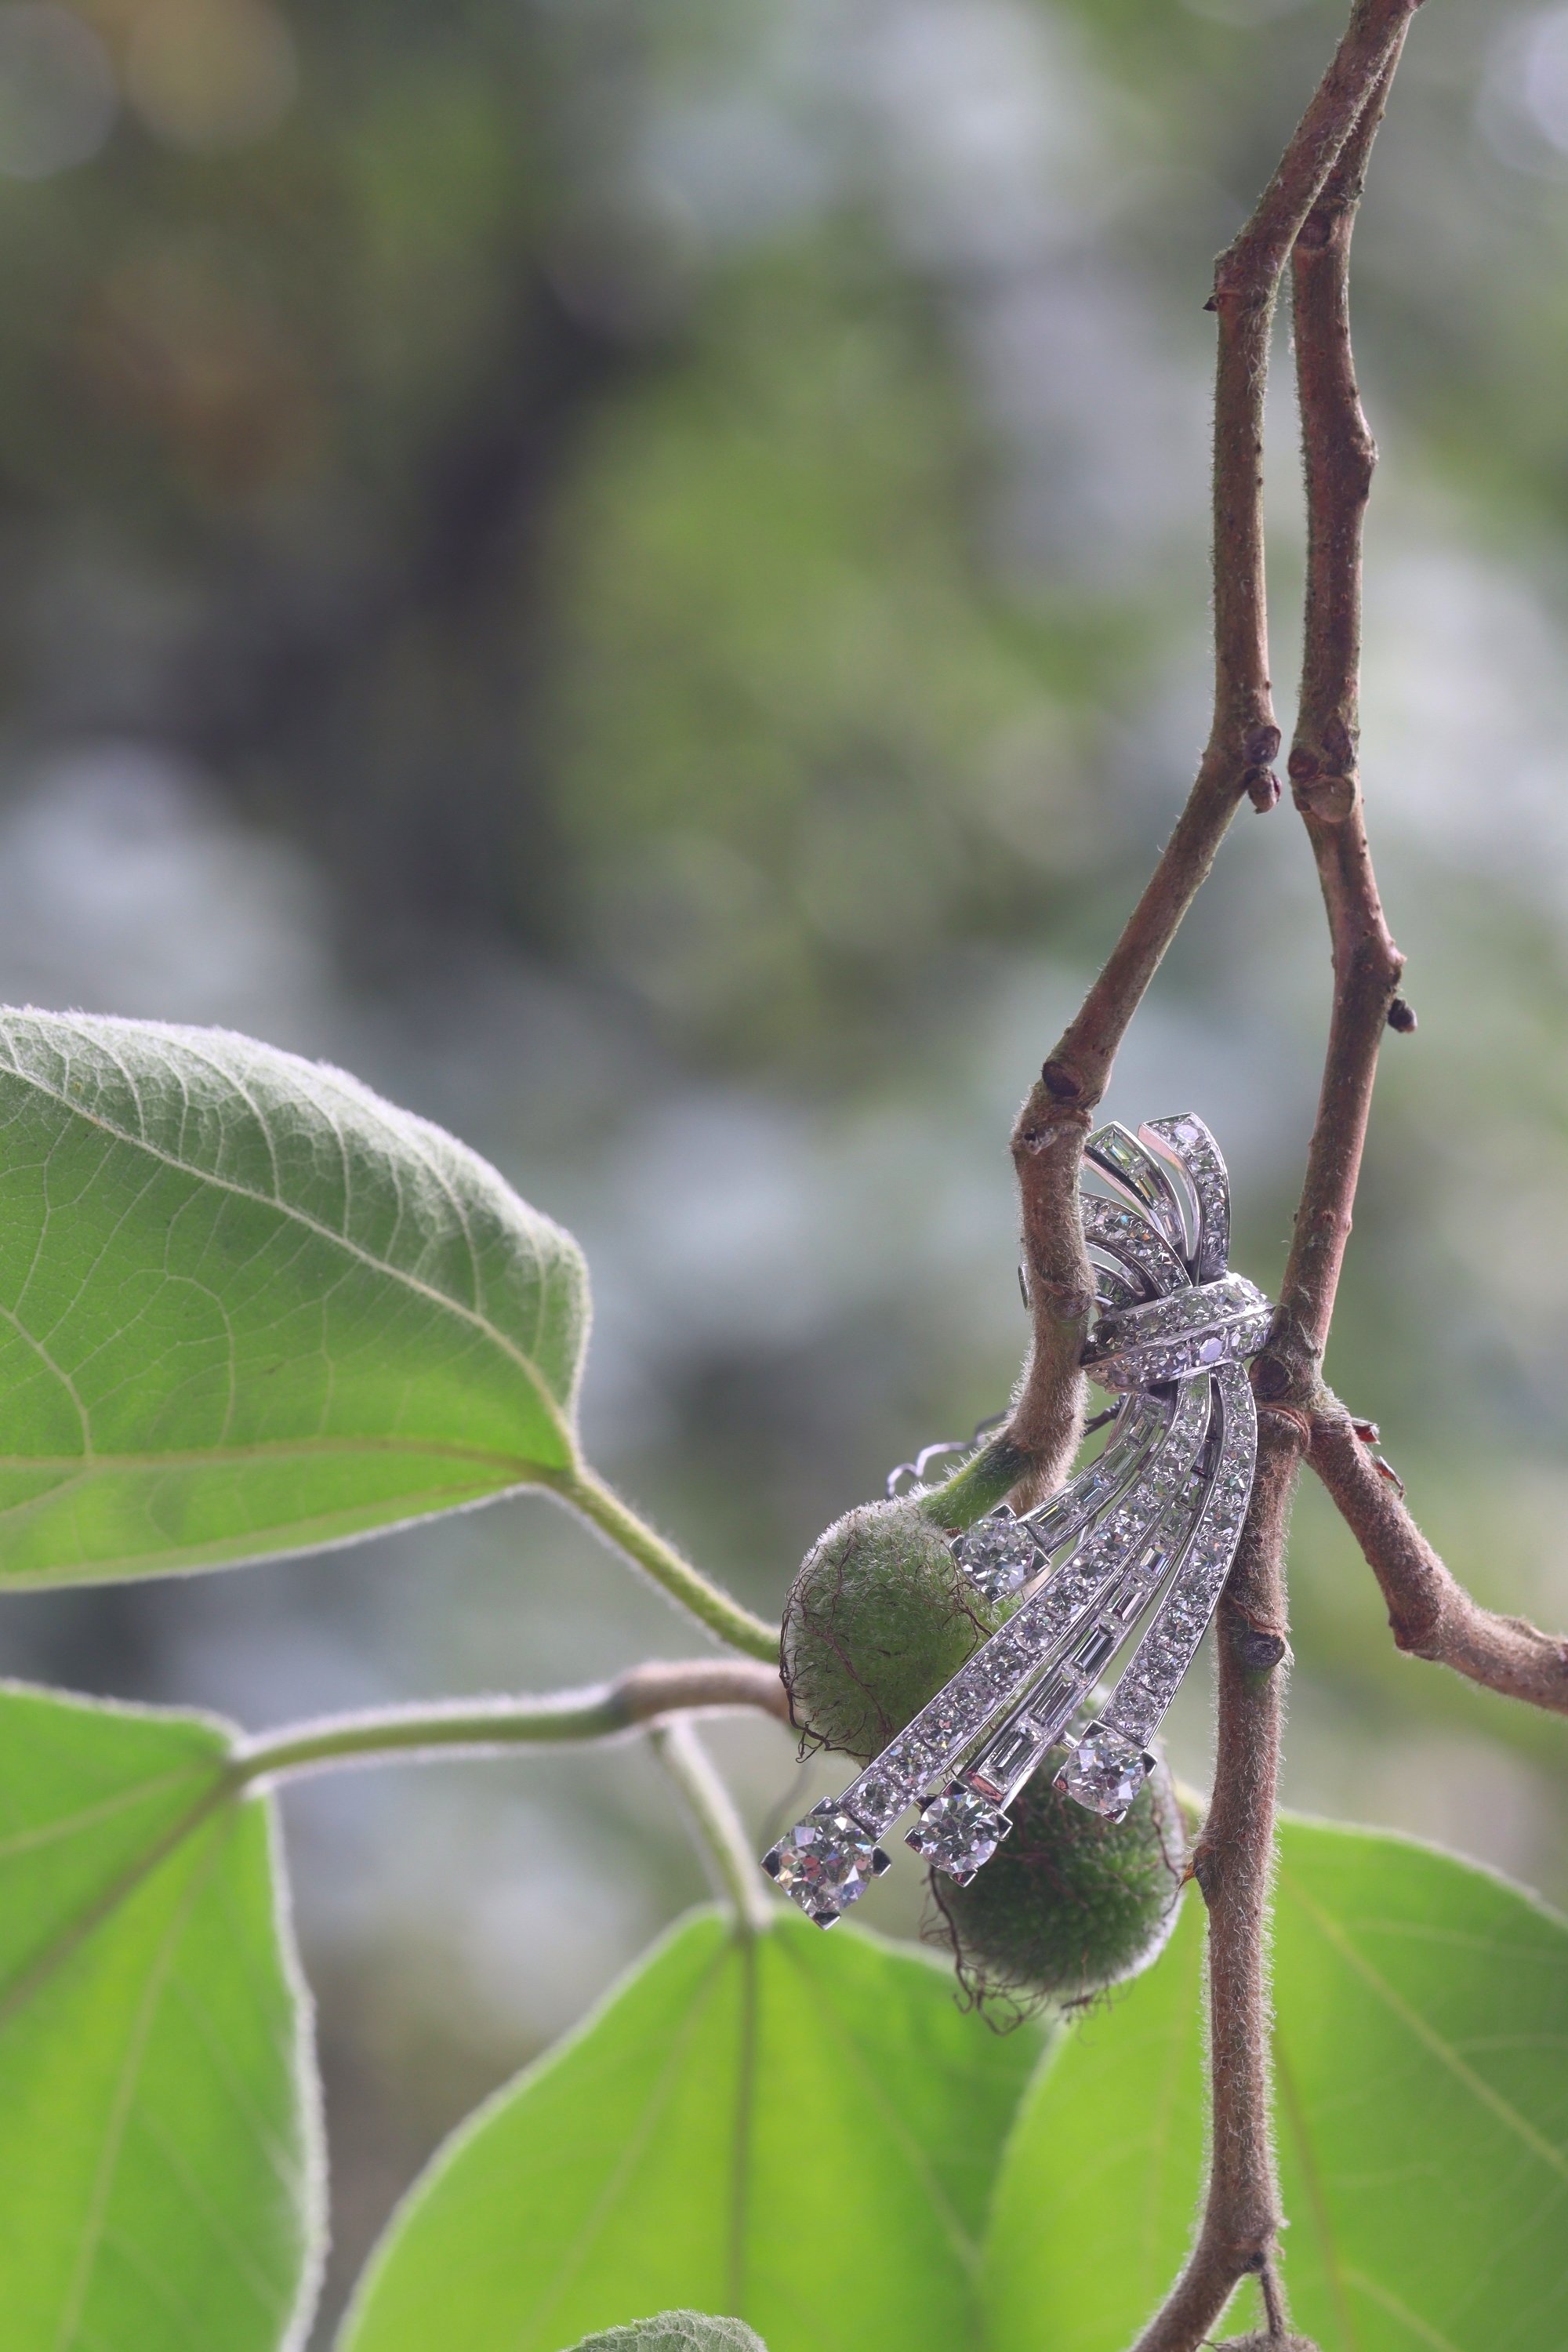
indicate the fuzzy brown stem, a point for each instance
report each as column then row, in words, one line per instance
column 1047, row 1139
column 1234, row 1865
column 1235, row 1859
column 1339, row 456
column 1431, row 1614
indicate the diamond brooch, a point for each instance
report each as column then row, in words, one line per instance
column 1143, row 1536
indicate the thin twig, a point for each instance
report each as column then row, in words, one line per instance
column 1234, row 1856
column 391, row 1734
column 1340, row 456
column 1047, row 1139
column 1431, row 1614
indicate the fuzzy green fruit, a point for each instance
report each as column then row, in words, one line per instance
column 1068, row 1902
column 878, row 1620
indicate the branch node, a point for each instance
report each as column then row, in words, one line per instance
column 1302, row 1422
column 1262, row 1651
column 1331, row 798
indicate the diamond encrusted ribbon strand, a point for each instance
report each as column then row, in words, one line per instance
column 1144, row 1535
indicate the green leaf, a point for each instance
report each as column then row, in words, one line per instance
column 158, row 2140
column 1097, row 2190
column 1422, row 2022
column 798, row 2129
column 247, row 1306
column 676, row 2331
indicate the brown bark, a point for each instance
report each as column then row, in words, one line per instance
column 1235, row 1857
column 1047, row 1139
column 1429, row 1612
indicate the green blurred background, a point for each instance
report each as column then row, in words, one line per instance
column 636, row 575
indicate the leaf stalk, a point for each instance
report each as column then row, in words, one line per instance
column 669, row 1569
column 391, row 1735
column 712, row 1810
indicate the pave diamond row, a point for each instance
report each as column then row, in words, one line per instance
column 1095, row 1599
column 1220, row 1322
column 1122, row 1235
column 1111, row 1759
column 1187, row 1141
column 1153, row 1524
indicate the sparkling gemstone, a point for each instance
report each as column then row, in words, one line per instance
column 951, row 1714
column 1009, row 1761
column 1014, row 1650
column 1051, row 1704
column 1104, row 1771
column 958, row 1832
column 1187, row 1614
column 999, row 1555
column 1004, row 1659
column 909, row 1758
column 1165, row 1646
column 975, row 1687
column 877, row 1798
column 1052, row 1523
column 825, row 1864
column 1098, row 1645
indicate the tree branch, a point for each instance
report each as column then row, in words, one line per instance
column 1339, row 456
column 1234, row 1865
column 1234, row 1860
column 391, row 1735
column 1431, row 1614
column 1047, row 1139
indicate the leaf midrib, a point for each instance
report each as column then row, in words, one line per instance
column 964, row 2248
column 282, row 1449
column 104, row 1901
